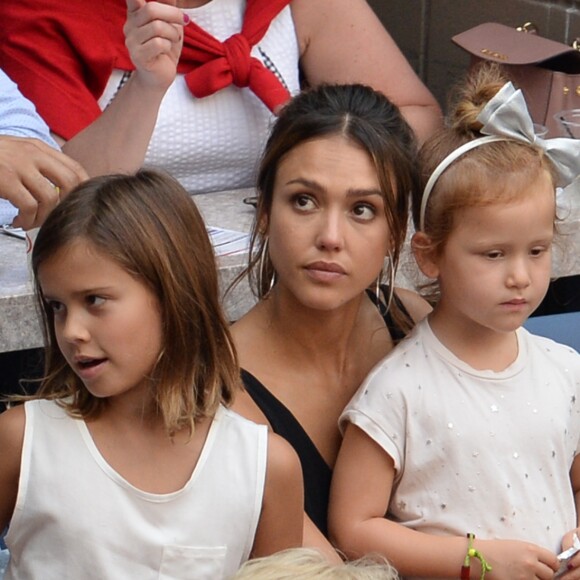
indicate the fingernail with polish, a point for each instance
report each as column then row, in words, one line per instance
column 186, row 19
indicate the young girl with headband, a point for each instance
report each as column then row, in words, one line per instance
column 128, row 463
column 460, row 453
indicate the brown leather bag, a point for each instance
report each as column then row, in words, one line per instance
column 548, row 72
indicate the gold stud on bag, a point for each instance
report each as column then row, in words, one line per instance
column 548, row 72
column 528, row 27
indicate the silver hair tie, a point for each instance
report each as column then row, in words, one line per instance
column 506, row 118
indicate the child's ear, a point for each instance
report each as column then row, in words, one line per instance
column 425, row 254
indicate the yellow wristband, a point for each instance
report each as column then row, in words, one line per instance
column 473, row 553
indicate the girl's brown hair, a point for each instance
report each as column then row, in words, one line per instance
column 498, row 171
column 149, row 225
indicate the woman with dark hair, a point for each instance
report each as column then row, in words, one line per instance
column 334, row 187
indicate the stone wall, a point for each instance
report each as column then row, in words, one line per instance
column 423, row 29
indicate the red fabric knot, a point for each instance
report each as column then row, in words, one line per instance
column 210, row 65
column 237, row 52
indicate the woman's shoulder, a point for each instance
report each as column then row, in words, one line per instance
column 282, row 457
column 414, row 304
column 245, row 405
column 284, row 470
column 247, row 329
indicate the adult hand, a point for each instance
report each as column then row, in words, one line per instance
column 29, row 171
column 154, row 38
column 33, row 178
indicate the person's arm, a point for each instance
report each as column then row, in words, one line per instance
column 11, row 438
column 314, row 538
column 18, row 116
column 343, row 41
column 361, row 490
column 117, row 140
column 29, row 172
column 281, row 519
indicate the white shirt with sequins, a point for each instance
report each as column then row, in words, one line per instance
column 477, row 451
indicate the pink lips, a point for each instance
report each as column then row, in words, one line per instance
column 88, row 367
column 325, row 271
column 515, row 304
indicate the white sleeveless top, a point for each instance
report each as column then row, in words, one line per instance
column 76, row 517
column 214, row 143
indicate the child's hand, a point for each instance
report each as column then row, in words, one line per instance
column 516, row 560
column 570, row 562
column 154, row 38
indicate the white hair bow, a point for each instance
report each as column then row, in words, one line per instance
column 504, row 118
column 506, row 115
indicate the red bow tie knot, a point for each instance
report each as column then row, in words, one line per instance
column 210, row 65
column 237, row 53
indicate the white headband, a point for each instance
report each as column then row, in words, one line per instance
column 506, row 118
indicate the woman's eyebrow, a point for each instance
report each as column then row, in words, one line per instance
column 360, row 192
column 353, row 192
column 306, row 182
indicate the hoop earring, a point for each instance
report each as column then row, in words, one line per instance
column 265, row 270
column 391, row 281
column 378, row 284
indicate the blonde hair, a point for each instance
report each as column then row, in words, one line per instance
column 499, row 171
column 150, row 226
column 310, row 564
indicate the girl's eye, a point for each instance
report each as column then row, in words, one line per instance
column 94, row 300
column 537, row 251
column 364, row 211
column 303, row 202
column 55, row 306
column 494, row 255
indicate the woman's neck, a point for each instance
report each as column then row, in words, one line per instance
column 312, row 333
column 313, row 361
column 284, row 343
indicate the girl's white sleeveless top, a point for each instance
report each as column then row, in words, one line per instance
column 76, row 517
column 214, row 143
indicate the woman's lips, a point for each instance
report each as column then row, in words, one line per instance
column 325, row 271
